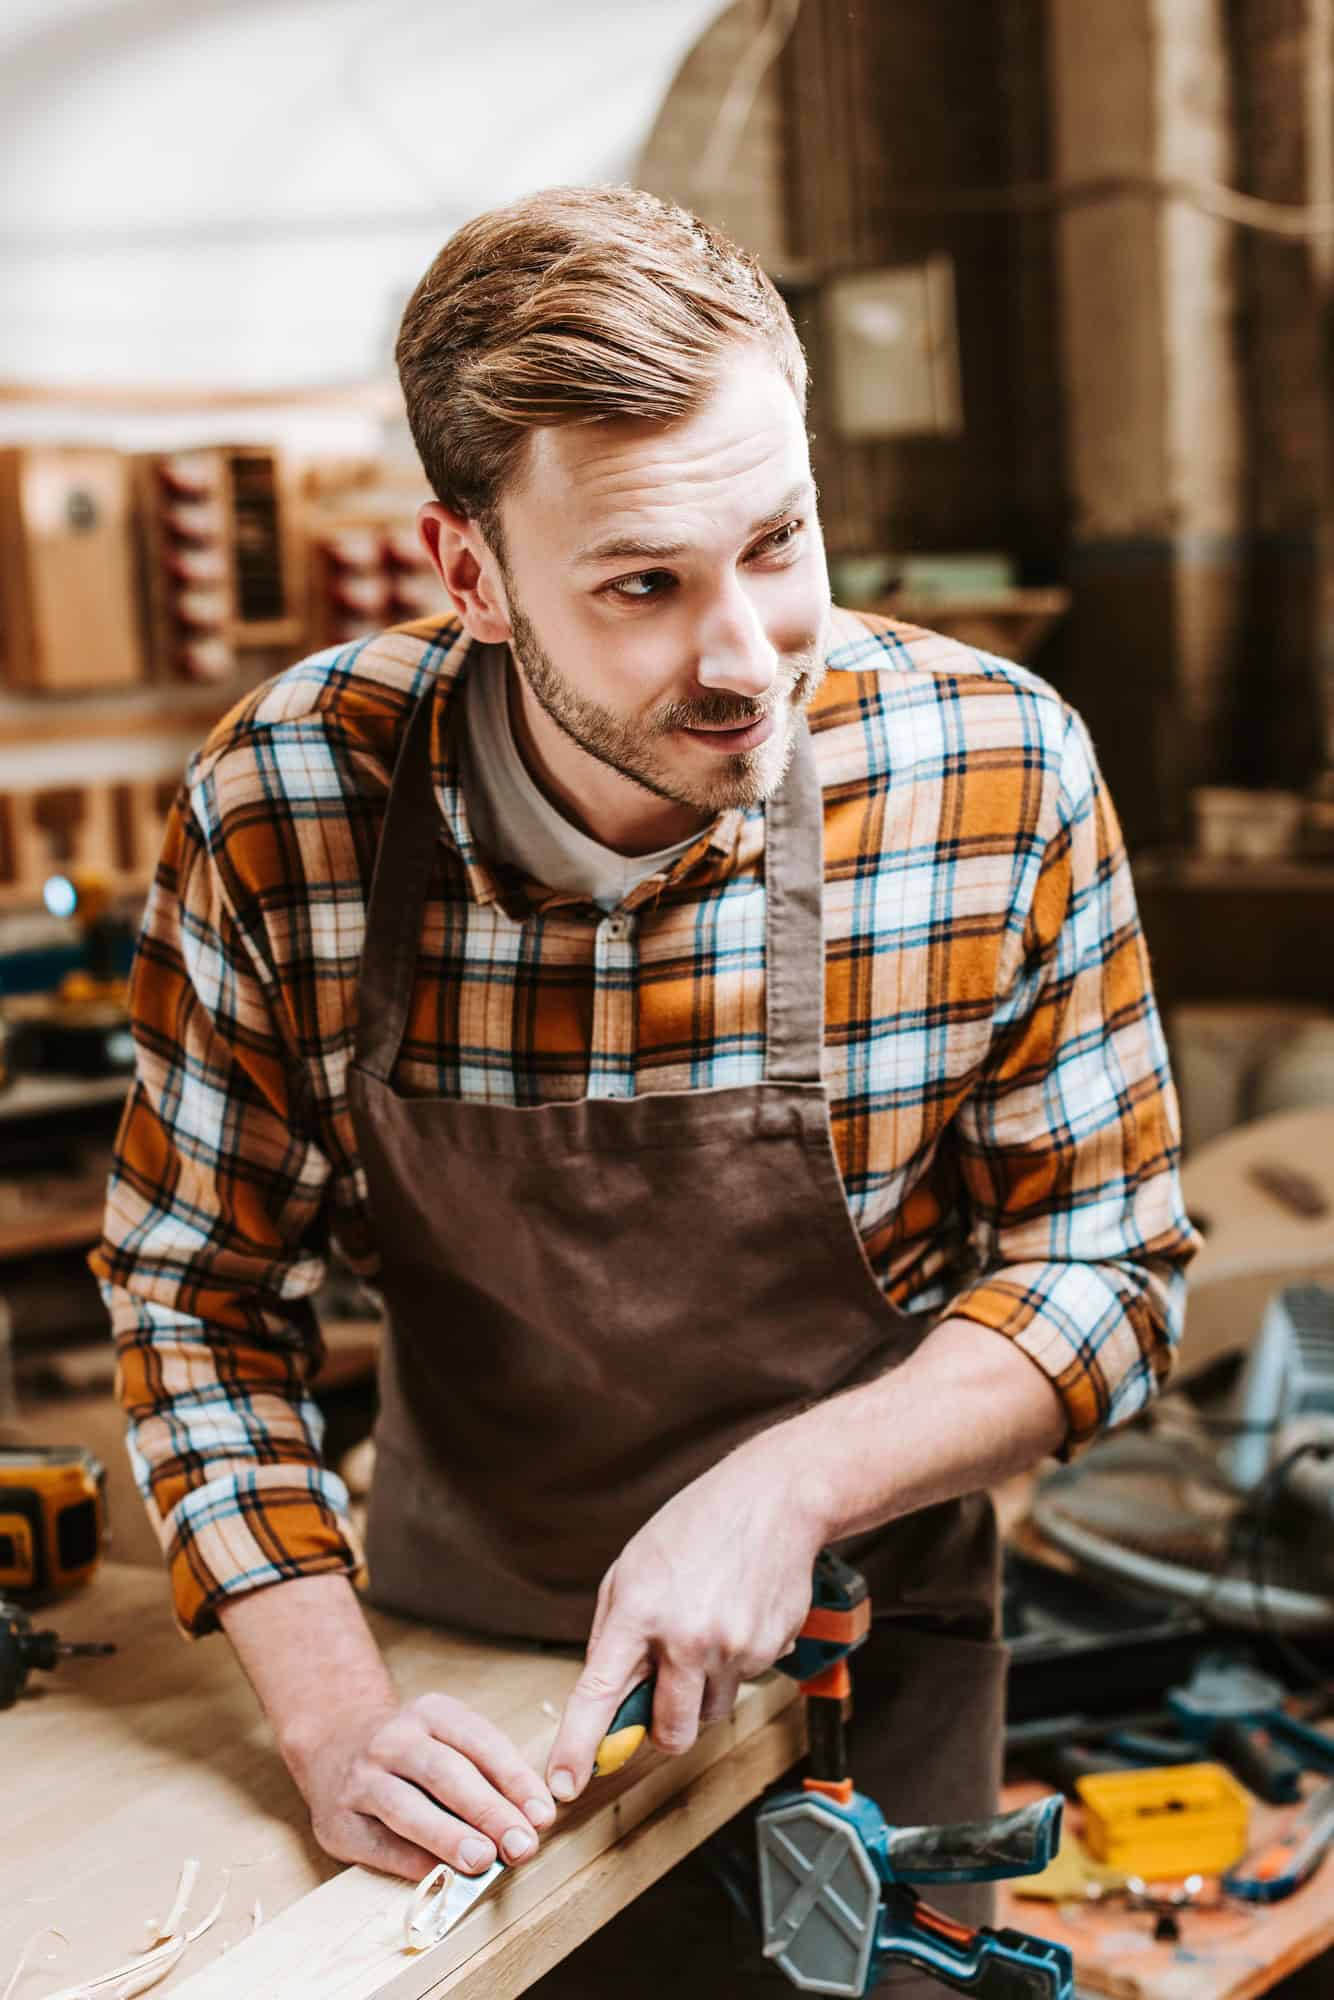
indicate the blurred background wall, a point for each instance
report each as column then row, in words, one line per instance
column 1063, row 269
column 240, row 196
column 244, row 191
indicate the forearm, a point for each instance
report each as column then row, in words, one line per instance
column 225, row 1445
column 309, row 1655
column 967, row 1410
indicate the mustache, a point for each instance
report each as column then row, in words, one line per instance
column 724, row 712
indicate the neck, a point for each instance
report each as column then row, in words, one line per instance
column 611, row 809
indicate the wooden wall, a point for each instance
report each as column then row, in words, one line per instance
column 864, row 101
column 887, row 102
column 1146, row 389
column 750, row 201
column 1284, row 330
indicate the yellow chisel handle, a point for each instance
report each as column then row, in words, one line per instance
column 629, row 1726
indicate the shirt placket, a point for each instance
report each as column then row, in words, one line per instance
column 611, row 1059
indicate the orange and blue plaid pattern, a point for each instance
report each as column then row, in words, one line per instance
column 1002, row 1112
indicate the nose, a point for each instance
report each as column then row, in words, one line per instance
column 735, row 653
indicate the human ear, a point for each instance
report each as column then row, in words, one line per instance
column 468, row 570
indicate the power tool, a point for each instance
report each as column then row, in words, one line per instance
column 53, row 1518
column 1237, row 1713
column 22, row 1649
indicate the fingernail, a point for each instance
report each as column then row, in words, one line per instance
column 562, row 1784
column 517, row 1843
column 474, row 1852
column 540, row 1812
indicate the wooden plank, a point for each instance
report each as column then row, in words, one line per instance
column 161, row 1753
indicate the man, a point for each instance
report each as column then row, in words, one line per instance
column 718, row 1024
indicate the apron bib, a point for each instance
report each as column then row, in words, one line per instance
column 592, row 1302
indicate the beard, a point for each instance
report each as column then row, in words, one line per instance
column 639, row 747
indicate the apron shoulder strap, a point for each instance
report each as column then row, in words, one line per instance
column 398, row 890
column 794, row 920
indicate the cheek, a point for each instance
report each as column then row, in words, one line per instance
column 795, row 614
column 626, row 665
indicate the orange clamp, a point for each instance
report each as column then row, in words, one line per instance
column 832, row 1788
column 845, row 1627
column 833, row 1684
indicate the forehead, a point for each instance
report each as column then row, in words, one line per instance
column 705, row 477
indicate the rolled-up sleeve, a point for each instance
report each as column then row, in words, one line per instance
column 1069, row 1142
column 212, row 1247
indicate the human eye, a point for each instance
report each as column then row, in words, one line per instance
column 639, row 588
column 781, row 542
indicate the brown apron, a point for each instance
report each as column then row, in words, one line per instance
column 592, row 1302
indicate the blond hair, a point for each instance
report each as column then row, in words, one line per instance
column 572, row 306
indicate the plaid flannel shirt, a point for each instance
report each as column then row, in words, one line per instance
column 1002, row 1112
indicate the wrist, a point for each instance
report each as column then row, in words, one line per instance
column 796, row 1460
column 303, row 1735
column 309, row 1655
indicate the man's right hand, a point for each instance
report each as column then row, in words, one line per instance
column 394, row 1785
column 429, row 1781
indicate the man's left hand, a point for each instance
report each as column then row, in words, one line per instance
column 710, row 1592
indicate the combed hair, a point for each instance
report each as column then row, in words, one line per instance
column 573, row 306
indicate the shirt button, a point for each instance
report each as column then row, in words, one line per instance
column 617, row 926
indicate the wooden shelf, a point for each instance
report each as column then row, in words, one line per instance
column 1293, row 876
column 76, row 1228
column 1235, row 930
column 1011, row 623
column 33, row 1096
column 156, row 708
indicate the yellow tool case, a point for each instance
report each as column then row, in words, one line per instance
column 1163, row 1824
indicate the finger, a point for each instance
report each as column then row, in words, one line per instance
column 720, row 1696
column 366, row 1841
column 406, row 1811
column 676, row 1708
column 448, row 1777
column 489, row 1751
column 619, row 1660
column 601, row 1612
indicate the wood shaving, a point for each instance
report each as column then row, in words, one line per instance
column 47, row 1930
column 149, row 1967
column 185, row 1888
column 422, row 1919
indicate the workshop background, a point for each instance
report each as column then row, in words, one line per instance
column 1065, row 273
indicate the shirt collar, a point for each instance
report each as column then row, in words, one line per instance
column 494, row 881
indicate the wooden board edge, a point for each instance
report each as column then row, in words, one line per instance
column 544, row 1935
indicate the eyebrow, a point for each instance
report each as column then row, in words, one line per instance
column 654, row 548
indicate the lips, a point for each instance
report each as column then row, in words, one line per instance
column 730, row 741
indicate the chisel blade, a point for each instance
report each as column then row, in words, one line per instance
column 443, row 1898
column 464, row 1893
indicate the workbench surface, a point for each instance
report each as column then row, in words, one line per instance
column 1237, row 1951
column 120, row 1770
